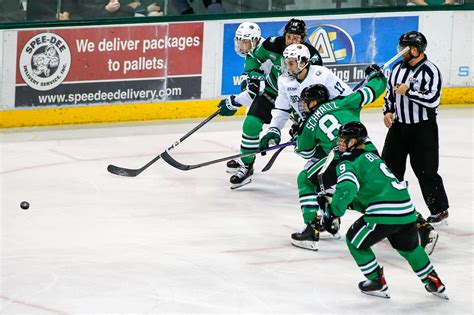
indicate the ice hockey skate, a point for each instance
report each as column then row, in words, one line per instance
column 435, row 286
column 439, row 218
column 233, row 166
column 242, row 176
column 377, row 287
column 428, row 236
column 432, row 240
column 307, row 239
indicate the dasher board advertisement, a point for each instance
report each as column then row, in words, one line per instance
column 120, row 64
column 347, row 46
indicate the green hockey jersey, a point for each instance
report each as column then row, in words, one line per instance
column 366, row 183
column 272, row 49
column 322, row 126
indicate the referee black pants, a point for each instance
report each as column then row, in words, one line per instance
column 421, row 142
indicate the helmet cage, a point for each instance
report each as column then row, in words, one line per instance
column 247, row 31
column 300, row 54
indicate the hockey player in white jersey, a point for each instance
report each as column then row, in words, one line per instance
column 298, row 73
column 259, row 112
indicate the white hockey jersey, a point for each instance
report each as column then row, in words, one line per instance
column 289, row 91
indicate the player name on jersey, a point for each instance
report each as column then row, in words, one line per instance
column 313, row 120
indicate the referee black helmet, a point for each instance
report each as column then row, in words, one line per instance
column 413, row 39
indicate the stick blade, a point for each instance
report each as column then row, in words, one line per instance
column 168, row 159
column 272, row 160
column 122, row 171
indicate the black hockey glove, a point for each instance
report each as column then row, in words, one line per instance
column 295, row 131
column 298, row 124
column 228, row 106
column 328, row 220
column 323, row 202
column 253, row 83
column 373, row 71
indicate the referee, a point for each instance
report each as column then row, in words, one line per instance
column 411, row 106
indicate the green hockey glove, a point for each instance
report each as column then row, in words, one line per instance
column 328, row 220
column 274, row 135
column 228, row 106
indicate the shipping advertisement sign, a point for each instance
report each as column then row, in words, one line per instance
column 347, row 46
column 109, row 65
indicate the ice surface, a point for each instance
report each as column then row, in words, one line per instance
column 170, row 241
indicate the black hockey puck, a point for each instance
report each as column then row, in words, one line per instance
column 24, row 205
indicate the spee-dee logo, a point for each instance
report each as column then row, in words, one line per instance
column 45, row 61
column 333, row 43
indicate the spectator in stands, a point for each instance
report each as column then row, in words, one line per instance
column 183, row 7
column 146, row 8
column 77, row 9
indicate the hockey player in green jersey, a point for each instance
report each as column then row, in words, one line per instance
column 260, row 109
column 248, row 37
column 365, row 184
column 316, row 139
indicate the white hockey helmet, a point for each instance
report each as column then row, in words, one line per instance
column 298, row 52
column 248, row 32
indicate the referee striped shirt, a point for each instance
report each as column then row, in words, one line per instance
column 423, row 96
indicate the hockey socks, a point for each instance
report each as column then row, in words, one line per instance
column 251, row 130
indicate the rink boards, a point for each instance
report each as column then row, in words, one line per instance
column 113, row 73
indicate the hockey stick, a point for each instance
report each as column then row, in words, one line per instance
column 385, row 65
column 184, row 167
column 328, row 161
column 272, row 159
column 134, row 172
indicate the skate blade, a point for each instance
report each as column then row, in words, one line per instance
column 382, row 294
column 245, row 182
column 440, row 295
column 429, row 248
column 328, row 236
column 310, row 245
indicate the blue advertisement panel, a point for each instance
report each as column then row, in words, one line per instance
column 346, row 46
